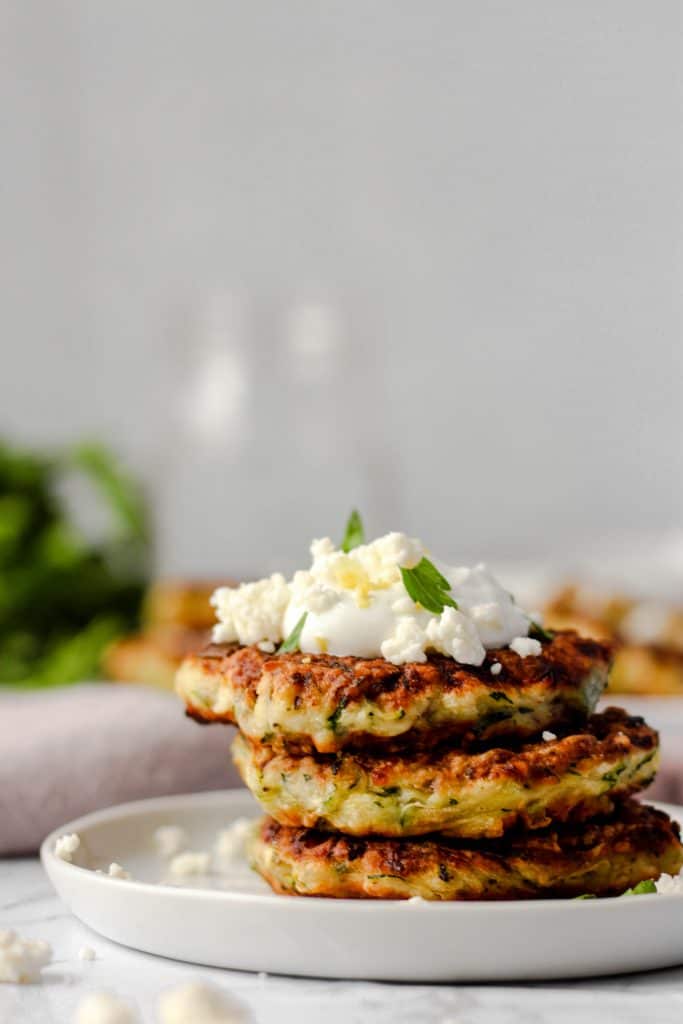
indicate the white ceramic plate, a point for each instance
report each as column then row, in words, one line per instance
column 235, row 921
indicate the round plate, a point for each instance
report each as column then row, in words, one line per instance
column 233, row 920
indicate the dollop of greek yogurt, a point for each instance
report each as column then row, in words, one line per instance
column 356, row 603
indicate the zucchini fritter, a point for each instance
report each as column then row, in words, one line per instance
column 601, row 858
column 325, row 703
column 643, row 664
column 455, row 793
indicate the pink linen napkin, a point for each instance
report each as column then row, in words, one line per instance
column 72, row 750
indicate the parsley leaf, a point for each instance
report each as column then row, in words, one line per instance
column 647, row 885
column 428, row 587
column 294, row 638
column 354, row 535
column 537, row 632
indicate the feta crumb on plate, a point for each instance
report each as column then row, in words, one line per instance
column 190, row 863
column 170, row 840
column 199, row 1003
column 669, row 885
column 66, row 846
column 22, row 960
column 548, row 736
column 496, row 668
column 116, row 871
column 526, row 646
column 231, row 842
column 103, row 1008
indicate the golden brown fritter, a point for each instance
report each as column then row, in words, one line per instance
column 645, row 668
column 459, row 794
column 153, row 656
column 325, row 703
column 602, row 857
column 180, row 603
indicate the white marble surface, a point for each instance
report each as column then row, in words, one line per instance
column 28, row 904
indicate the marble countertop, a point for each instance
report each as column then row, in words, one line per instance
column 29, row 905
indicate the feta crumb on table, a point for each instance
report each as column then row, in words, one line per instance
column 199, row 1003
column 103, row 1008
column 22, row 960
column 87, row 953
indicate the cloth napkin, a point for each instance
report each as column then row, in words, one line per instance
column 72, row 750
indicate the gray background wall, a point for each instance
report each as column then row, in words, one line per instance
column 292, row 256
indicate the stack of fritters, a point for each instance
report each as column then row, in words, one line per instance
column 437, row 779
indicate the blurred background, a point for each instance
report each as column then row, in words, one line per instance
column 265, row 262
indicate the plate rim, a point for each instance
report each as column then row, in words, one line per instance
column 52, row 863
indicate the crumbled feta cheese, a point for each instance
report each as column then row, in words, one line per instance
column 251, row 613
column 22, row 960
column 496, row 668
column 456, row 635
column 199, row 1003
column 418, row 901
column 670, row 885
column 231, row 843
column 116, row 871
column 406, row 643
column 526, row 647
column 548, row 736
column 356, row 603
column 190, row 863
column 169, row 840
column 66, row 846
column 87, row 953
column 103, row 1008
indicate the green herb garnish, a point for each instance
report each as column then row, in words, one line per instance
column 294, row 638
column 537, row 632
column 354, row 535
column 428, row 587
column 333, row 719
column 647, row 885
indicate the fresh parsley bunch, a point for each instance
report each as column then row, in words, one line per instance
column 64, row 596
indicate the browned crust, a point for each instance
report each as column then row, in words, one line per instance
column 485, row 794
column 601, row 857
column 306, row 681
column 609, row 735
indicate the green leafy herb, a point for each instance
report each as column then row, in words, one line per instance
column 586, row 896
column 537, row 632
column 333, row 719
column 354, row 535
column 428, row 587
column 499, row 695
column 647, row 885
column 294, row 638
